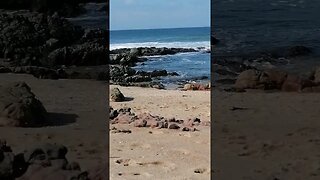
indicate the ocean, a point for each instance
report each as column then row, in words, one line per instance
column 250, row 25
column 193, row 66
column 95, row 16
column 245, row 26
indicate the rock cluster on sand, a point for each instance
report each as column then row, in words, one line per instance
column 263, row 71
column 19, row 106
column 275, row 79
column 197, row 86
column 125, row 116
column 44, row 161
column 227, row 68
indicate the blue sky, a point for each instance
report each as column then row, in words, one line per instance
column 150, row 14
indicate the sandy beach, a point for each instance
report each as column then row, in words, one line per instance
column 150, row 153
column 258, row 135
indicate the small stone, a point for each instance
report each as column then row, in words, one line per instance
column 173, row 126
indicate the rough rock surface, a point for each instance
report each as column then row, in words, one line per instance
column 125, row 116
column 116, row 95
column 19, row 106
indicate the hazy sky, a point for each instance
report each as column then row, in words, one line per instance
column 149, row 14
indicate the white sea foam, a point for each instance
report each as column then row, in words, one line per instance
column 204, row 44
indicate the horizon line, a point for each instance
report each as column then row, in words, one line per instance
column 159, row 28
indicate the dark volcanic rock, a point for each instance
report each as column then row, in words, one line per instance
column 27, row 38
column 38, row 72
column 19, row 106
column 86, row 54
column 150, row 51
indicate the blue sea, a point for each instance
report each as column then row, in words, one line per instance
column 244, row 26
column 190, row 66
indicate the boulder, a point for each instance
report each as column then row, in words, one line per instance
column 20, row 107
column 247, row 80
column 292, row 83
column 272, row 79
column 116, row 95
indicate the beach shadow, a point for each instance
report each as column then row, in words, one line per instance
column 60, row 119
column 128, row 99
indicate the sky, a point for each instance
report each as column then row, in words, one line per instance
column 153, row 14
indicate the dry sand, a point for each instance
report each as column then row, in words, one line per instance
column 148, row 153
column 80, row 109
column 276, row 138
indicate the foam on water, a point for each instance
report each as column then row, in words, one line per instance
column 195, row 45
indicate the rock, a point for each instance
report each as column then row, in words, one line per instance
column 138, row 78
column 19, row 106
column 116, row 95
column 272, row 79
column 247, row 80
column 158, row 86
column 123, row 118
column 113, row 114
column 214, row 41
column 27, row 38
column 173, row 126
column 173, row 74
column 293, row 83
column 6, row 165
column 188, row 87
column 157, row 73
column 140, row 123
column 85, row 54
column 196, row 86
column 45, row 152
column 38, row 72
column 317, row 75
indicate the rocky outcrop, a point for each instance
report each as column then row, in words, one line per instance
column 34, row 39
column 20, row 107
column 151, row 51
column 274, row 80
column 124, row 75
